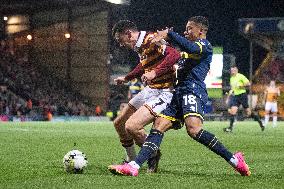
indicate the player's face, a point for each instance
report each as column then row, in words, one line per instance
column 125, row 39
column 234, row 71
column 192, row 31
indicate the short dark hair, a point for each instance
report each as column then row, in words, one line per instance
column 200, row 20
column 122, row 26
column 234, row 65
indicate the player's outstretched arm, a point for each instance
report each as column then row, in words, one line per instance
column 185, row 44
column 137, row 72
column 148, row 76
column 160, row 36
column 120, row 80
column 171, row 56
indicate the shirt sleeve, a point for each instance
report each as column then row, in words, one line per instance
column 244, row 80
column 185, row 44
column 171, row 57
column 135, row 73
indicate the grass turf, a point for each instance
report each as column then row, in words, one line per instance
column 31, row 157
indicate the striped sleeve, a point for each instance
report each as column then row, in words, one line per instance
column 171, row 57
column 137, row 72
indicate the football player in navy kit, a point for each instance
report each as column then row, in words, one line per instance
column 189, row 99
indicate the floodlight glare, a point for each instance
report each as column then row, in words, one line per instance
column 119, row 2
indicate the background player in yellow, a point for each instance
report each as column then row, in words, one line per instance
column 238, row 83
column 271, row 93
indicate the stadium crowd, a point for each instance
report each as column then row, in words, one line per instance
column 27, row 90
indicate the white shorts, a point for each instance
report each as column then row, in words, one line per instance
column 156, row 100
column 271, row 107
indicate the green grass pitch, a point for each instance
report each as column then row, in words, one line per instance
column 31, row 157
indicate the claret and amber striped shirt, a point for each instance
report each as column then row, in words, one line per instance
column 160, row 58
column 272, row 93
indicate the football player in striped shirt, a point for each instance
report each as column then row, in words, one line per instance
column 156, row 60
column 271, row 93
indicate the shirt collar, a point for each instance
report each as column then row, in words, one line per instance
column 140, row 40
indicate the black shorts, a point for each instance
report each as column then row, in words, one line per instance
column 241, row 99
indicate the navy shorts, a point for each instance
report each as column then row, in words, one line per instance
column 187, row 101
column 241, row 99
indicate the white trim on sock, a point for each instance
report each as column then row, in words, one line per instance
column 134, row 165
column 234, row 161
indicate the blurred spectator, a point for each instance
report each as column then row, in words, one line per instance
column 271, row 94
column 98, row 111
column 34, row 87
column 29, row 104
column 49, row 116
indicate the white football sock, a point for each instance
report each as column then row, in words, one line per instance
column 266, row 119
column 130, row 153
column 134, row 165
column 274, row 121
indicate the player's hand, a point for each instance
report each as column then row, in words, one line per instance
column 175, row 67
column 147, row 77
column 120, row 80
column 160, row 36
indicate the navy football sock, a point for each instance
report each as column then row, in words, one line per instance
column 210, row 140
column 150, row 146
column 232, row 120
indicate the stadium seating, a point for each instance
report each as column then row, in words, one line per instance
column 24, row 81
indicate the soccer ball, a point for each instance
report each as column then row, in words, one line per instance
column 75, row 161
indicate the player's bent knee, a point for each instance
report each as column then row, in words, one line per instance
column 233, row 110
column 248, row 112
column 193, row 126
column 162, row 124
column 131, row 126
column 193, row 131
column 118, row 122
column 121, row 119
